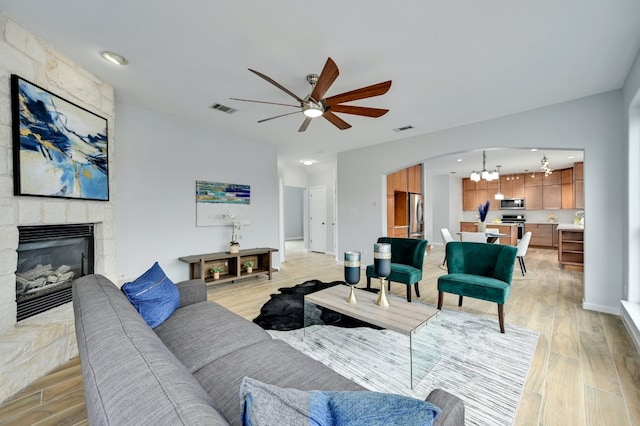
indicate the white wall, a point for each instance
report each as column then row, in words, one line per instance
column 159, row 159
column 293, row 213
column 443, row 202
column 594, row 124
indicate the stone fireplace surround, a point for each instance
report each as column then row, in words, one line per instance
column 31, row 348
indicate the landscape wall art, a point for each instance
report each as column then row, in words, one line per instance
column 59, row 148
column 215, row 200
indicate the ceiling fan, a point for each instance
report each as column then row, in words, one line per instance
column 315, row 104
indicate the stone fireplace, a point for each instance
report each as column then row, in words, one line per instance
column 32, row 347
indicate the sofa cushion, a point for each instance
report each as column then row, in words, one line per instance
column 476, row 286
column 203, row 332
column 271, row 361
column 266, row 405
column 129, row 375
column 154, row 295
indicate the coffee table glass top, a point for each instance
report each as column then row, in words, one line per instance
column 401, row 316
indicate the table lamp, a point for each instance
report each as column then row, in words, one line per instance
column 352, row 272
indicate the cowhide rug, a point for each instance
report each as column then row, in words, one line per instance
column 285, row 310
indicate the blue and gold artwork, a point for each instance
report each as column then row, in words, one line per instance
column 60, row 149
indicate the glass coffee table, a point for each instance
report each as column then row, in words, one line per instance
column 409, row 319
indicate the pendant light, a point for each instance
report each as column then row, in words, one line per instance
column 499, row 195
column 484, row 174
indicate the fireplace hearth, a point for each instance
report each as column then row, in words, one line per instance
column 50, row 257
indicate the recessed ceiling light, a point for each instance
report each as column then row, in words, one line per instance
column 571, row 157
column 114, row 58
column 307, row 162
column 459, row 160
column 534, row 149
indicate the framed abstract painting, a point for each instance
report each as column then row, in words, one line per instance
column 217, row 203
column 59, row 148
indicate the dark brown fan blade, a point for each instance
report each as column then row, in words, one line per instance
column 278, row 85
column 278, row 116
column 264, row 102
column 327, row 77
column 305, row 124
column 364, row 92
column 336, row 121
column 358, row 110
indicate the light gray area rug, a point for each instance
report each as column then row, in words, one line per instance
column 473, row 360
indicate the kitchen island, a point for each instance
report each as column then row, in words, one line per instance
column 571, row 245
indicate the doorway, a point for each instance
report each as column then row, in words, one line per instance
column 318, row 218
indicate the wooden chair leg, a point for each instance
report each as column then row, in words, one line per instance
column 388, row 285
column 524, row 266
column 440, row 299
column 417, row 289
column 445, row 260
column 460, row 301
column 368, row 282
column 408, row 293
column 501, row 317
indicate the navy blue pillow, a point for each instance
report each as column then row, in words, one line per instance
column 154, row 295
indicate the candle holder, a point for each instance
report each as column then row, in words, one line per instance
column 382, row 269
column 352, row 272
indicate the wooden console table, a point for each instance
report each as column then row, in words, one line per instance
column 231, row 263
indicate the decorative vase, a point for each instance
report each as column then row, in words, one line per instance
column 352, row 272
column 234, row 248
column 482, row 227
column 382, row 268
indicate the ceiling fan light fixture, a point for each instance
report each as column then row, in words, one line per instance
column 313, row 111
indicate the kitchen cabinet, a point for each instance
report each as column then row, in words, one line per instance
column 400, row 185
column 533, row 197
column 570, row 246
column 518, row 186
column 534, row 179
column 415, row 179
column 551, row 197
column 469, row 200
column 567, row 189
column 541, row 234
column 554, row 178
column 468, row 227
column 578, row 185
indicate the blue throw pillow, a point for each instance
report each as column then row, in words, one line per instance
column 154, row 295
column 264, row 405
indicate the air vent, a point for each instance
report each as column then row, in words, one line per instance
column 223, row 108
column 403, row 128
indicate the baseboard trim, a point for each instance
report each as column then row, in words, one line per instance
column 600, row 308
column 631, row 319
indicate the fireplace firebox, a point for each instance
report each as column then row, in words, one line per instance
column 50, row 257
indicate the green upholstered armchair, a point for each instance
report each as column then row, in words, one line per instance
column 407, row 257
column 479, row 270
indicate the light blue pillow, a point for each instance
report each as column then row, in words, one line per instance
column 154, row 295
column 265, row 405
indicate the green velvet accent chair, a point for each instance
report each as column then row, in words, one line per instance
column 407, row 258
column 479, row 270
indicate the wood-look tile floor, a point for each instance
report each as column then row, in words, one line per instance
column 585, row 370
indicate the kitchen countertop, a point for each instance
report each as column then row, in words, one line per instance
column 570, row 227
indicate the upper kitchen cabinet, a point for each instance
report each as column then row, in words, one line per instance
column 578, row 185
column 415, row 179
column 512, row 186
column 568, row 200
column 399, row 180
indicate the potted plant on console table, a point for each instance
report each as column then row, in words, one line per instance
column 482, row 214
column 215, row 270
column 249, row 266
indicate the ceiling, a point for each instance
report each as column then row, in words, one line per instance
column 452, row 63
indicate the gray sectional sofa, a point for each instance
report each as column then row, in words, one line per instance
column 188, row 370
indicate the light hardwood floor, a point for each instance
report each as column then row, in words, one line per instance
column 585, row 370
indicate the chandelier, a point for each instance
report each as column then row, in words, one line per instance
column 545, row 166
column 484, row 174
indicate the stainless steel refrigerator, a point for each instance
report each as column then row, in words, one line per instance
column 416, row 216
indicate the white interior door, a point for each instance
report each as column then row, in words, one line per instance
column 318, row 218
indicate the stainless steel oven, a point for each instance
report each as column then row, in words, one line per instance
column 518, row 219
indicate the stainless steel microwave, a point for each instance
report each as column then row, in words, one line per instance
column 512, row 204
